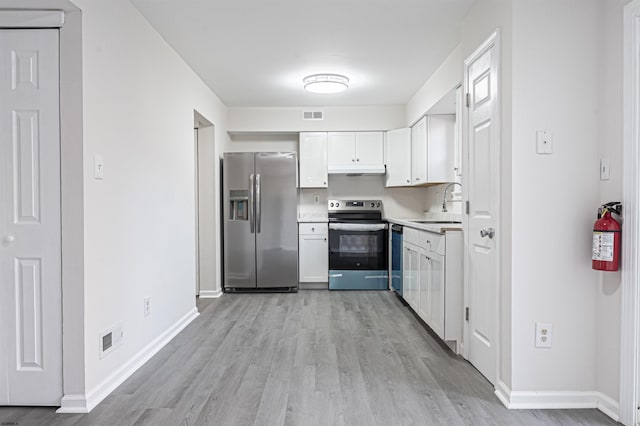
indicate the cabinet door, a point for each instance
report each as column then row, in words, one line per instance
column 411, row 277
column 423, row 289
column 370, row 148
column 342, row 149
column 313, row 160
column 398, row 157
column 419, row 152
column 314, row 255
column 441, row 148
column 436, row 293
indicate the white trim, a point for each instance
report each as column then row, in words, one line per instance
column 493, row 41
column 540, row 400
column 630, row 312
column 210, row 294
column 31, row 18
column 82, row 404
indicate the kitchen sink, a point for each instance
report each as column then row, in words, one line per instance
column 436, row 221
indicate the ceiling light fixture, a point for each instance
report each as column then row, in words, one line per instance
column 325, row 83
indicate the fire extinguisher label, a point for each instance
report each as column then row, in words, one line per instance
column 602, row 246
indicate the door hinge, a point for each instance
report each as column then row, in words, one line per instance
column 468, row 100
column 466, row 313
column 466, row 207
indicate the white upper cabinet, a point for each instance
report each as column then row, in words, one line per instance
column 357, row 152
column 398, row 157
column 419, row 152
column 433, row 150
column 441, row 148
column 313, row 160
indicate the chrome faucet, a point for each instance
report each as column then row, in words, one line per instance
column 444, row 200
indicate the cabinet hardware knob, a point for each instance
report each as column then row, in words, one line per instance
column 353, row 160
column 357, row 159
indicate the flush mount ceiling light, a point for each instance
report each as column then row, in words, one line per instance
column 325, row 83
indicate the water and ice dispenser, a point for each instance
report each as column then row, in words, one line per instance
column 239, row 204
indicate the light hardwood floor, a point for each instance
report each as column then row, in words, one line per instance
column 311, row 358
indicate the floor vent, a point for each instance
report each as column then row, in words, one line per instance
column 312, row 115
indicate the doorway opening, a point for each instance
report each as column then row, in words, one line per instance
column 206, row 183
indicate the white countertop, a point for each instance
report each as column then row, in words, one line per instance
column 439, row 228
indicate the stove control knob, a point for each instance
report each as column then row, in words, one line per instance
column 331, row 205
column 337, row 204
column 377, row 204
column 373, row 205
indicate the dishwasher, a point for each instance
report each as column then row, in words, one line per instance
column 396, row 258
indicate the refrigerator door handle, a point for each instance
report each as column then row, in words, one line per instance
column 251, row 204
column 258, row 204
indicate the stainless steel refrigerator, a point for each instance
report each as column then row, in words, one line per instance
column 260, row 221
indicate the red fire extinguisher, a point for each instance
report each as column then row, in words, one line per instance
column 606, row 238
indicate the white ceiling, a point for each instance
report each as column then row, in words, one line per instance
column 256, row 52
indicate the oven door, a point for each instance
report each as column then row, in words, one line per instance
column 354, row 246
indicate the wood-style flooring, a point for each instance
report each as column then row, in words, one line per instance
column 307, row 358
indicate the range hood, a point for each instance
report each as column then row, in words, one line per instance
column 357, row 170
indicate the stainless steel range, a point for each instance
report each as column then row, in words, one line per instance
column 357, row 245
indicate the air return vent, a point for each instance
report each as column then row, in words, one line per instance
column 312, row 115
column 110, row 339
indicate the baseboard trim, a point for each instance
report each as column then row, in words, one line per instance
column 73, row 404
column 529, row 400
column 78, row 403
column 210, row 294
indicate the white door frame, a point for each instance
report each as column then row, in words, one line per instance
column 493, row 41
column 630, row 324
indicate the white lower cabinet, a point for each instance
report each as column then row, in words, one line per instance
column 313, row 252
column 410, row 275
column 432, row 284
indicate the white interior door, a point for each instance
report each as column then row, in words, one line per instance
column 483, row 186
column 30, row 254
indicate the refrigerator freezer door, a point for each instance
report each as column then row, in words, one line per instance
column 276, row 221
column 239, row 240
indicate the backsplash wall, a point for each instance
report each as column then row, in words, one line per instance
column 397, row 202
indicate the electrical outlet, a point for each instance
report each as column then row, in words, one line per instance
column 147, row 306
column 98, row 167
column 544, row 334
column 544, row 142
column 316, row 198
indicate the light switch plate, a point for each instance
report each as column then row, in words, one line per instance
column 544, row 142
column 98, row 167
column 605, row 170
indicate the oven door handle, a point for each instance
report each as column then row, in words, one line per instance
column 357, row 226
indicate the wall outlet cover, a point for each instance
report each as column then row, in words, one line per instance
column 544, row 335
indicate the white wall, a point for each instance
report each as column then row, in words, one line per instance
column 359, row 118
column 446, row 78
column 482, row 20
column 139, row 102
column 610, row 146
column 556, row 81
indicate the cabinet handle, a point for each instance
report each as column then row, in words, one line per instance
column 324, row 183
column 417, row 178
column 313, row 229
column 325, row 240
column 357, row 159
column 408, row 180
column 353, row 160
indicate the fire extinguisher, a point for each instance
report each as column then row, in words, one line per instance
column 606, row 238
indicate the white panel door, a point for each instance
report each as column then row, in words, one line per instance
column 30, row 254
column 419, row 152
column 424, row 295
column 481, row 83
column 313, row 160
column 370, row 148
column 314, row 259
column 398, row 157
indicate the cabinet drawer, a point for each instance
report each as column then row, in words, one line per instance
column 432, row 241
column 411, row 235
column 313, row 229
